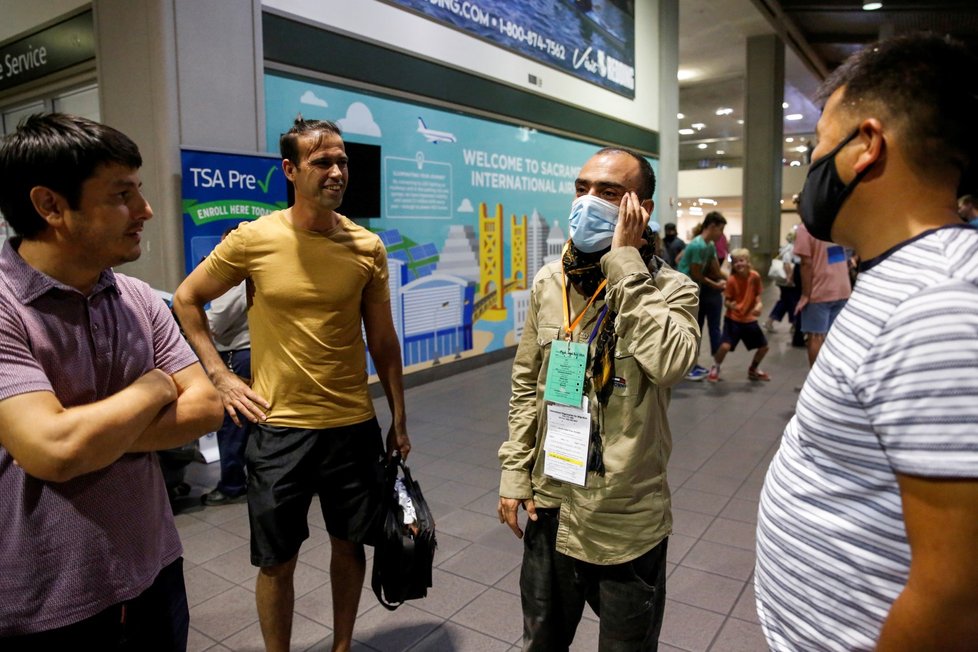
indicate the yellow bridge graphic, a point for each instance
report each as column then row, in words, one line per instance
column 491, row 301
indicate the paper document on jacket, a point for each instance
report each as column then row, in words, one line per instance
column 566, row 444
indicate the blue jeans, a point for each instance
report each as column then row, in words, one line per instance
column 711, row 308
column 629, row 598
column 232, row 439
column 818, row 317
column 157, row 620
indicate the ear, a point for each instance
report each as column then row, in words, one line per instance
column 50, row 205
column 873, row 144
column 288, row 168
column 648, row 205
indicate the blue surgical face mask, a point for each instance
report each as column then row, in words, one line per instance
column 592, row 223
column 824, row 193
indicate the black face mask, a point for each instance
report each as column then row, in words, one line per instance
column 824, row 193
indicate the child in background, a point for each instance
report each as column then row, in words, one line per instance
column 742, row 298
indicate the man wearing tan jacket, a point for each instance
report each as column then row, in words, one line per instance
column 610, row 328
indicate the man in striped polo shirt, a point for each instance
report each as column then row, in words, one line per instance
column 868, row 524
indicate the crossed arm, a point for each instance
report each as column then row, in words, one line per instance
column 155, row 412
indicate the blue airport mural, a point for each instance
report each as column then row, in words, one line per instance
column 591, row 39
column 469, row 209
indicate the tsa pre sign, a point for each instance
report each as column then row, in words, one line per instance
column 221, row 190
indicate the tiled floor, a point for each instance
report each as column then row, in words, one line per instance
column 724, row 437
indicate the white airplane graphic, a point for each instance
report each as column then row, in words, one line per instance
column 435, row 136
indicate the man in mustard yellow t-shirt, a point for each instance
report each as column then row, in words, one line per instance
column 316, row 277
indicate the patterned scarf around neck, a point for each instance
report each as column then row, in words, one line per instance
column 584, row 271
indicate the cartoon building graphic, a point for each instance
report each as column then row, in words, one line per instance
column 459, row 256
column 536, row 245
column 397, row 273
column 437, row 311
column 521, row 306
column 555, row 242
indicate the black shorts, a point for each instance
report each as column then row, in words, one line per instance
column 749, row 333
column 286, row 466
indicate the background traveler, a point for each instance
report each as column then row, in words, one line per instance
column 699, row 262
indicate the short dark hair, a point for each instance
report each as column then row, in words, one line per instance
column 647, row 187
column 289, row 142
column 714, row 217
column 926, row 84
column 60, row 152
column 669, row 226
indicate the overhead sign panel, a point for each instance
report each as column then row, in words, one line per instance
column 591, row 39
column 52, row 49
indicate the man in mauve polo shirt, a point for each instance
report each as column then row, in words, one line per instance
column 94, row 376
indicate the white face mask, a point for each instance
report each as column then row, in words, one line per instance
column 592, row 223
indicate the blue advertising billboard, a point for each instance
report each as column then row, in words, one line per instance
column 591, row 39
column 221, row 190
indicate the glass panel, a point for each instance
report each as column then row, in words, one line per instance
column 82, row 102
column 12, row 117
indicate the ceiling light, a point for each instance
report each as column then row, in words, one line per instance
column 702, row 146
column 795, row 164
column 697, row 125
column 724, row 111
column 789, row 139
column 872, row 6
column 784, row 105
column 721, row 152
column 686, row 132
column 794, row 116
column 685, row 74
column 740, row 122
column 695, row 210
column 680, row 116
column 707, row 200
column 802, row 148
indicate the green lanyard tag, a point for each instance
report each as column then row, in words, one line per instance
column 565, row 373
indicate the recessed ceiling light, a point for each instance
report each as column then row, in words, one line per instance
column 801, row 148
column 685, row 74
column 680, row 116
column 697, row 125
column 872, row 6
column 686, row 132
column 795, row 164
column 707, row 200
column 784, row 105
column 740, row 122
column 794, row 116
column 702, row 146
column 789, row 139
column 724, row 110
column 721, row 152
